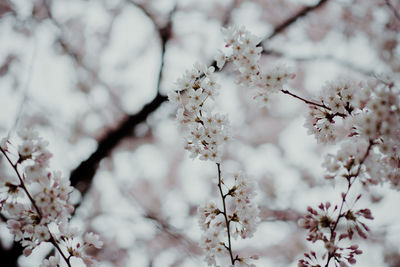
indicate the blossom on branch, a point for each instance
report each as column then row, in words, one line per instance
column 38, row 200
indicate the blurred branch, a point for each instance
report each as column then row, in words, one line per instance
column 75, row 56
column 225, row 21
column 6, row 7
column 25, row 88
column 192, row 247
column 228, row 14
column 82, row 176
column 330, row 58
column 279, row 215
column 284, row 25
column 395, row 12
column 289, row 21
column 180, row 239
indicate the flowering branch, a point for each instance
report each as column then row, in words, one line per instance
column 48, row 195
column 22, row 185
column 344, row 196
column 318, row 223
column 83, row 174
column 205, row 134
column 372, row 107
column 224, row 213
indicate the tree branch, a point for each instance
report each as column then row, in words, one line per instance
column 289, row 21
column 329, row 58
column 81, row 177
column 225, row 214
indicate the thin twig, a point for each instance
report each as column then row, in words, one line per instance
column 331, row 116
column 25, row 88
column 224, row 213
column 328, row 58
column 349, row 184
column 305, row 100
column 289, row 21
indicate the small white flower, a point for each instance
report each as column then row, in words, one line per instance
column 175, row 97
column 41, row 233
column 92, row 239
column 53, row 261
column 26, row 149
column 221, row 59
column 3, row 143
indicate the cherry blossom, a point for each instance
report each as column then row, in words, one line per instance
column 39, row 201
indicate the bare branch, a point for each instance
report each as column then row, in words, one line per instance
column 289, row 21
column 225, row 214
column 81, row 177
column 329, row 58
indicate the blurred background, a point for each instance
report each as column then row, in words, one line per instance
column 91, row 77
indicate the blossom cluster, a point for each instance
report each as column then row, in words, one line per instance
column 368, row 128
column 380, row 122
column 245, row 54
column 345, row 254
column 347, row 162
column 205, row 133
column 241, row 214
column 37, row 200
column 244, row 211
column 323, row 224
column 370, row 111
column 206, row 130
column 337, row 98
column 365, row 118
column 358, row 115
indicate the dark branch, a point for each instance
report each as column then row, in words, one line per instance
column 82, row 176
column 288, row 22
column 225, row 214
column 329, row 58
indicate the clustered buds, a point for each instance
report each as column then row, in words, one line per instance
column 344, row 255
column 322, row 225
column 37, row 201
column 366, row 118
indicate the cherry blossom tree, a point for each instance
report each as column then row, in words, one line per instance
column 187, row 133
